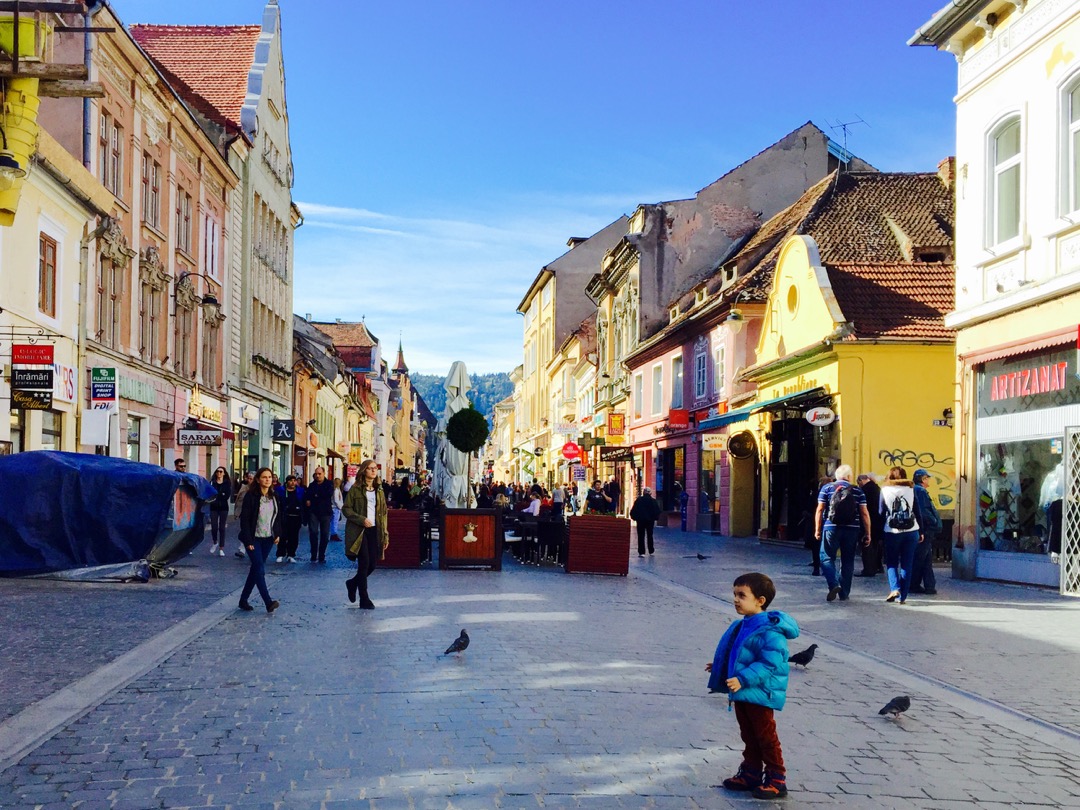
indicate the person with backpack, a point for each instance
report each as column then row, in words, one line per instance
column 902, row 531
column 841, row 521
column 922, row 568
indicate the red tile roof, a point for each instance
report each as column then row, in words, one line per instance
column 346, row 334
column 209, row 64
column 902, row 301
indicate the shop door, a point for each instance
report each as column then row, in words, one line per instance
column 792, row 477
column 1070, row 535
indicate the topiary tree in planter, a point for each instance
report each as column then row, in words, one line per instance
column 467, row 430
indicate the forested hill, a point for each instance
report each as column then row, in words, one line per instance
column 487, row 390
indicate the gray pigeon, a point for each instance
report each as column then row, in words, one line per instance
column 460, row 644
column 805, row 657
column 699, row 556
column 897, row 706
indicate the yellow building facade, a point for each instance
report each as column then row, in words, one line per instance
column 831, row 391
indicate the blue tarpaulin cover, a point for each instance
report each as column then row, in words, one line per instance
column 60, row 511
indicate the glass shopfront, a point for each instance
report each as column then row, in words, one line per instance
column 1025, row 404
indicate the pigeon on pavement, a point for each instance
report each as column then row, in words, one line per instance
column 897, row 706
column 805, row 657
column 699, row 556
column 460, row 644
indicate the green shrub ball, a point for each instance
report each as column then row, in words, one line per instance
column 467, row 430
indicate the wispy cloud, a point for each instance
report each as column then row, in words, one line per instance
column 449, row 285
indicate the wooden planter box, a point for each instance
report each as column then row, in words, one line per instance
column 485, row 552
column 598, row 545
column 404, row 548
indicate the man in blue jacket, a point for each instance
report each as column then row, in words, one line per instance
column 320, row 510
column 751, row 665
column 922, row 570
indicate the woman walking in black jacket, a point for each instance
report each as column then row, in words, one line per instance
column 262, row 517
column 219, row 510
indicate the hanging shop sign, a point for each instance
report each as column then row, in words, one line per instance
column 198, row 438
column 103, row 390
column 31, row 400
column 820, row 417
column 577, row 472
column 565, row 428
column 616, row 424
column 613, row 454
column 31, row 379
column 571, row 451
column 32, row 354
column 714, row 441
column 283, row 430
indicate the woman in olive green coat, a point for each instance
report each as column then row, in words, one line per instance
column 366, row 535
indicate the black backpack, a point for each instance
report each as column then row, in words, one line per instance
column 900, row 516
column 843, row 510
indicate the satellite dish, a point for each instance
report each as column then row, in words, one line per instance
column 741, row 445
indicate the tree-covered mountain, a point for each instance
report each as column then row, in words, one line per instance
column 487, row 389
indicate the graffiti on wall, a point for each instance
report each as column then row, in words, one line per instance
column 942, row 483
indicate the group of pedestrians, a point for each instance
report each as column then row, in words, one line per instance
column 894, row 524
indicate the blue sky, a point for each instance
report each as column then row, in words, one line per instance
column 445, row 152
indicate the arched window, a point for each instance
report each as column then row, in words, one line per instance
column 1072, row 145
column 1004, row 187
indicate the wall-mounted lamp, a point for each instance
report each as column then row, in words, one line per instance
column 311, row 422
column 208, row 301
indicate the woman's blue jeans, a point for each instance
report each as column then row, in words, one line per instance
column 899, row 559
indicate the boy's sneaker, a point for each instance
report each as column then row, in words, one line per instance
column 774, row 787
column 743, row 780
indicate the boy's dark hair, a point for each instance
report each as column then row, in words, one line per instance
column 759, row 585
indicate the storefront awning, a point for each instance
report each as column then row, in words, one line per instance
column 742, row 414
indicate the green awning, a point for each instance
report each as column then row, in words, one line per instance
column 742, row 414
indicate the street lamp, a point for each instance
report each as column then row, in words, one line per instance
column 209, row 300
column 735, row 320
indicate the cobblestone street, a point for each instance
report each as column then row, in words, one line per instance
column 577, row 691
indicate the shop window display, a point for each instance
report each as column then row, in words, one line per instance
column 1020, row 487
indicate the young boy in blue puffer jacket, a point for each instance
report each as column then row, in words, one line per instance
column 751, row 665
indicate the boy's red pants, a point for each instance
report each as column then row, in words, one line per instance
column 762, row 747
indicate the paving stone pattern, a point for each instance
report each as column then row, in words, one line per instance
column 576, row 691
column 57, row 632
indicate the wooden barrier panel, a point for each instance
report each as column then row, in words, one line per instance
column 470, row 538
column 404, row 548
column 598, row 545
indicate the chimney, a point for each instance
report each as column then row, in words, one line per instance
column 946, row 171
column 307, row 316
column 574, row 241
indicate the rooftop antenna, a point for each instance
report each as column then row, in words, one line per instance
column 844, row 127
